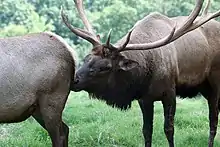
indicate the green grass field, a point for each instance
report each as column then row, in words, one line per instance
column 94, row 124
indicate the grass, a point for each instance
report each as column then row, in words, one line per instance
column 94, row 124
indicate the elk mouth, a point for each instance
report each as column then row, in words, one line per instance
column 77, row 86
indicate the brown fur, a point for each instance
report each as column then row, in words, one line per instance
column 186, row 61
column 36, row 73
column 182, row 68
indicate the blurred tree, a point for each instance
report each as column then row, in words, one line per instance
column 19, row 17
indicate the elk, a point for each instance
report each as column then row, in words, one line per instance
column 36, row 74
column 158, row 59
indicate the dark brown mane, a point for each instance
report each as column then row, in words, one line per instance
column 120, row 97
column 128, row 89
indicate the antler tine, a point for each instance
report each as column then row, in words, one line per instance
column 205, row 11
column 79, row 32
column 80, row 9
column 152, row 45
column 187, row 26
column 120, row 48
column 109, row 38
column 189, row 21
column 203, row 20
column 126, row 42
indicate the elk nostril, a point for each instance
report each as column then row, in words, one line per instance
column 76, row 81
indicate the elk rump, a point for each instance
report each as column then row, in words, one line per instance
column 36, row 74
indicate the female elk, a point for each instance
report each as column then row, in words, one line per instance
column 36, row 74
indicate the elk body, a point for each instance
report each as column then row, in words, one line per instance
column 157, row 60
column 36, row 74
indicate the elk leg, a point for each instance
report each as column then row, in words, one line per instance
column 55, row 128
column 212, row 96
column 51, row 107
column 213, row 118
column 38, row 117
column 65, row 131
column 147, row 111
column 169, row 107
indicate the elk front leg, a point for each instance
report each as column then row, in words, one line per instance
column 147, row 109
column 169, row 106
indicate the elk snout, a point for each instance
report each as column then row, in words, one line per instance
column 76, row 81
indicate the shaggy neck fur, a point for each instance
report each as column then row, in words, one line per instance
column 122, row 88
column 119, row 92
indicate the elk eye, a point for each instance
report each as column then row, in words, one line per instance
column 91, row 71
column 105, row 68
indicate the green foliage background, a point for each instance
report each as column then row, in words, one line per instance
column 18, row 17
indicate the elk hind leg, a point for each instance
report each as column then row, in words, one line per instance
column 49, row 115
column 213, row 118
column 210, row 92
column 38, row 117
column 169, row 113
column 213, row 98
column 169, row 106
column 213, row 102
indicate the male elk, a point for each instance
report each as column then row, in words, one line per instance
column 35, row 78
column 157, row 60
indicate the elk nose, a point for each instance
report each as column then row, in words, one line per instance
column 76, row 81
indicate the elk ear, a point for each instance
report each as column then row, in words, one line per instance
column 126, row 64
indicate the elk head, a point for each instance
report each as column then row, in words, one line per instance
column 105, row 64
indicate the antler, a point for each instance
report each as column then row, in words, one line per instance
column 80, row 9
column 205, row 11
column 187, row 26
column 87, row 34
